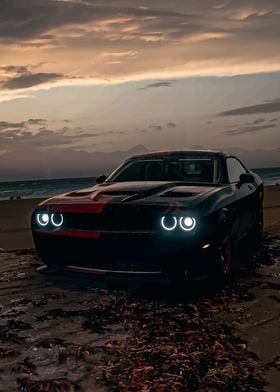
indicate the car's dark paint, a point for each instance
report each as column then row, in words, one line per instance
column 246, row 178
column 114, row 227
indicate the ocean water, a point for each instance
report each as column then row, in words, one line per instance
column 48, row 188
column 270, row 176
column 42, row 188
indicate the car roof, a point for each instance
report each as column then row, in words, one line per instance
column 180, row 153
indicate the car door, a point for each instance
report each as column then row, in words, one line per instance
column 245, row 194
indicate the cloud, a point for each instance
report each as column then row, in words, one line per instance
column 18, row 22
column 128, row 54
column 36, row 133
column 17, row 77
column 171, row 125
column 4, row 125
column 142, row 130
column 267, row 107
column 36, row 121
column 16, row 139
column 155, row 127
column 29, row 80
column 163, row 83
column 249, row 129
column 258, row 121
column 17, row 69
column 135, row 42
column 113, row 133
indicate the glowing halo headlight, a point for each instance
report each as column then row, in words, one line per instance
column 43, row 219
column 57, row 219
column 169, row 227
column 187, row 223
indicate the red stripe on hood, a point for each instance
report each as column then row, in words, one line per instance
column 94, row 206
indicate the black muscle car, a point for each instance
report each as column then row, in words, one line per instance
column 164, row 214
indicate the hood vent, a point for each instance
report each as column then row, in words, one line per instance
column 79, row 194
column 178, row 194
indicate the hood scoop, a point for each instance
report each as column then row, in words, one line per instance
column 79, row 194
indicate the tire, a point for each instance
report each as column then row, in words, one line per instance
column 222, row 262
column 258, row 226
column 251, row 244
column 257, row 229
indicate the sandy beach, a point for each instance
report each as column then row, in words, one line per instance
column 272, row 209
column 15, row 223
column 60, row 333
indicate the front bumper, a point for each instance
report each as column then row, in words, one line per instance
column 135, row 255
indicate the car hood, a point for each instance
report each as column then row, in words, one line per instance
column 151, row 193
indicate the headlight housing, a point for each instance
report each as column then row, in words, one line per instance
column 187, row 223
column 169, row 224
column 52, row 220
column 42, row 219
column 57, row 219
column 184, row 223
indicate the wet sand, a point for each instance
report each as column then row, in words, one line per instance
column 68, row 334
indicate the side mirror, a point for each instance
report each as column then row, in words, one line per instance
column 246, row 178
column 101, row 179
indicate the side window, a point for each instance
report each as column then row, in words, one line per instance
column 241, row 167
column 234, row 168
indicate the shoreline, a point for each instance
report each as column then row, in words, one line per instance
column 15, row 215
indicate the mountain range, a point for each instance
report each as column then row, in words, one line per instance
column 35, row 164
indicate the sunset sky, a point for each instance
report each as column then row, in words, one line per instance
column 108, row 75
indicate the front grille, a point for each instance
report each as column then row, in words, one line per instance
column 119, row 252
column 114, row 218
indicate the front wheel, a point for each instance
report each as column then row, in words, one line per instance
column 258, row 226
column 222, row 261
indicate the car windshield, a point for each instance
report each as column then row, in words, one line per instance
column 191, row 169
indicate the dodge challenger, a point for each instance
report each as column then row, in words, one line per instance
column 168, row 214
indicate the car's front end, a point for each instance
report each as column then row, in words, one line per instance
column 112, row 234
